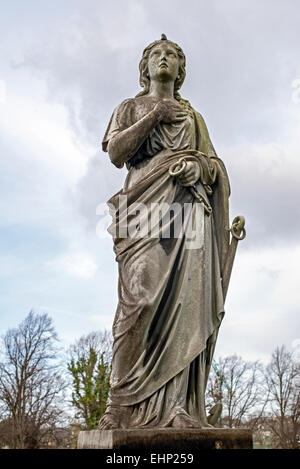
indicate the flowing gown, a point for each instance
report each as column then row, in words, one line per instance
column 170, row 290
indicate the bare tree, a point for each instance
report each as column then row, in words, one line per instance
column 100, row 341
column 30, row 383
column 89, row 366
column 282, row 379
column 236, row 384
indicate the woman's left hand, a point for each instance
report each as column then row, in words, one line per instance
column 190, row 175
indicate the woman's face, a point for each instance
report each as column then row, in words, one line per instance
column 163, row 63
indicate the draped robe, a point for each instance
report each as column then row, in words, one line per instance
column 170, row 292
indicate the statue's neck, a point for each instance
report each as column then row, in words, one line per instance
column 161, row 90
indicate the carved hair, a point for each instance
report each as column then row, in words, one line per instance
column 143, row 66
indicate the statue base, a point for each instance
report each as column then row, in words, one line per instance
column 174, row 440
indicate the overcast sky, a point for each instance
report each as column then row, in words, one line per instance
column 64, row 66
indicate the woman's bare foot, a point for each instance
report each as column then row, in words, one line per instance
column 206, row 425
column 115, row 416
column 108, row 421
column 183, row 420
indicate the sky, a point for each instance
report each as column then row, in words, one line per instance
column 64, row 66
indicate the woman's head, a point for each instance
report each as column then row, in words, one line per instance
column 144, row 65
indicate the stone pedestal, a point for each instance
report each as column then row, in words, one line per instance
column 166, row 439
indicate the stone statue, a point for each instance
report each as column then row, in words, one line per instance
column 171, row 297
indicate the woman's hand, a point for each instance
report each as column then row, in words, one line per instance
column 170, row 112
column 190, row 174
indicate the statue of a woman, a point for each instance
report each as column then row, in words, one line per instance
column 170, row 292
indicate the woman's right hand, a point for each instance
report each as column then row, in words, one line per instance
column 170, row 112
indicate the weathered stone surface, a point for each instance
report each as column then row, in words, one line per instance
column 173, row 269
column 166, row 439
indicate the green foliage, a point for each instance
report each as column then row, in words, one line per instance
column 90, row 387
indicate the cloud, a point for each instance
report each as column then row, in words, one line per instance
column 238, row 77
column 2, row 91
column 104, row 321
column 70, row 66
column 262, row 307
column 78, row 264
column 296, row 92
column 240, row 59
column 85, row 61
column 96, row 187
column 265, row 189
column 43, row 130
